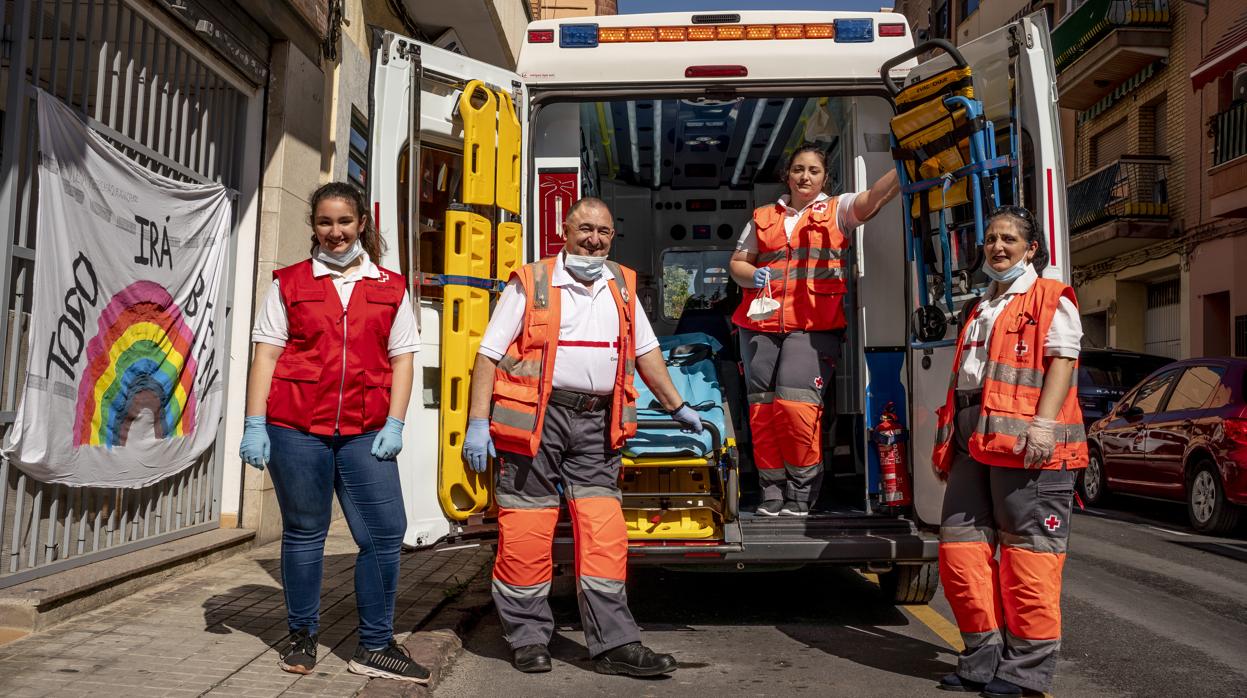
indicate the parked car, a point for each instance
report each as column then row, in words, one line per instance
column 1181, row 434
column 1104, row 376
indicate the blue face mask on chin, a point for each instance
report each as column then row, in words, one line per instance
column 1007, row 275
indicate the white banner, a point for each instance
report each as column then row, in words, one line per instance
column 124, row 382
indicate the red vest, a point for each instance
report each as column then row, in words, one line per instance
column 807, row 272
column 525, row 375
column 335, row 369
column 1013, row 380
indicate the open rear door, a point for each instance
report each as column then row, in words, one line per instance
column 446, row 135
column 1024, row 115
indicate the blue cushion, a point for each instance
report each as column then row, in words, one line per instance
column 698, row 382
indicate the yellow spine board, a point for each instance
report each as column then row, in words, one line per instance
column 508, row 155
column 480, row 127
column 683, row 524
column 465, row 313
column 509, row 250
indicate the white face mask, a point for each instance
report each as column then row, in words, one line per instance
column 583, row 267
column 1007, row 275
column 341, row 259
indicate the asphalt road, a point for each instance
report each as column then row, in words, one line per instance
column 1150, row 609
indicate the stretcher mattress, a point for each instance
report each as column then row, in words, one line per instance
column 696, row 378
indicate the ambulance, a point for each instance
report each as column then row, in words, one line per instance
column 681, row 123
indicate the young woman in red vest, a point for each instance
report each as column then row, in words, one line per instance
column 797, row 251
column 327, row 394
column 1010, row 441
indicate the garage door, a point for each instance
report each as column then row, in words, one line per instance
column 1162, row 321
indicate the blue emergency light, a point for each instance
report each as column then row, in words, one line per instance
column 855, row 31
column 578, row 36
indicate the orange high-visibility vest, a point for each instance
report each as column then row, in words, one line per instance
column 807, row 272
column 1013, row 380
column 525, row 375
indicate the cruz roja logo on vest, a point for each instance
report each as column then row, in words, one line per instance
column 1052, row 522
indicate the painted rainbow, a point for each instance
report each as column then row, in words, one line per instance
column 139, row 360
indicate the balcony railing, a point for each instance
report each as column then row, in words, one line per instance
column 1096, row 19
column 1132, row 187
column 1229, row 134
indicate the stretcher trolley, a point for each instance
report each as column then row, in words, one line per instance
column 677, row 485
column 946, row 159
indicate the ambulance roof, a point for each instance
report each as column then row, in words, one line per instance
column 676, row 47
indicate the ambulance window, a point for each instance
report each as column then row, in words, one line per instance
column 440, row 171
column 693, row 279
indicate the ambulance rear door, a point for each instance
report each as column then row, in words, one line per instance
column 449, row 133
column 1014, row 76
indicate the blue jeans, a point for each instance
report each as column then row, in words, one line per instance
column 307, row 469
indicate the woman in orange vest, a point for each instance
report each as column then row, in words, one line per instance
column 1009, row 442
column 796, row 252
column 326, row 398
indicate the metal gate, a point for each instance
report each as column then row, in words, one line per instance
column 153, row 91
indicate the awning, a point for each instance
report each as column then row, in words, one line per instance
column 1225, row 55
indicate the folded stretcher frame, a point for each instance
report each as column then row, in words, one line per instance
column 945, row 152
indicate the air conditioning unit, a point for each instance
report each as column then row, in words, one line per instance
column 449, row 40
column 1238, row 88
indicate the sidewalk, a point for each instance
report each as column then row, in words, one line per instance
column 210, row 632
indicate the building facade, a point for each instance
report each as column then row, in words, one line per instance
column 563, row 9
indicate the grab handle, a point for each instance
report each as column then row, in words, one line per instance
column 914, row 52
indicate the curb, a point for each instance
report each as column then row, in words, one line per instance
column 437, row 641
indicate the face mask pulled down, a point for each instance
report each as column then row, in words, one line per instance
column 341, row 259
column 1007, row 275
column 584, row 267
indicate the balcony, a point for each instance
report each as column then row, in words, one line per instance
column 1104, row 43
column 1118, row 208
column 1228, row 175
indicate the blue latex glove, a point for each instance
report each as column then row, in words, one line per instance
column 478, row 447
column 688, row 416
column 389, row 441
column 255, row 444
column 761, row 277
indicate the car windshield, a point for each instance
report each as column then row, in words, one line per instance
column 1116, row 370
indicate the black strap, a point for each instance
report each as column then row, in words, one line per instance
column 687, row 354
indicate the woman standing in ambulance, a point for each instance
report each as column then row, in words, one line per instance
column 1009, row 442
column 796, row 252
column 326, row 398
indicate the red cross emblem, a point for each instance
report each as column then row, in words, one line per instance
column 818, row 382
column 820, row 207
column 1052, row 522
column 384, row 277
column 1021, row 348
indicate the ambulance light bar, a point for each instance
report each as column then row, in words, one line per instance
column 591, row 35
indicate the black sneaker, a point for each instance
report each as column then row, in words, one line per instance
column 769, row 508
column 795, row 509
column 953, row 682
column 298, row 656
column 393, row 662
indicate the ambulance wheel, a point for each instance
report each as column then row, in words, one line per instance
column 911, row 584
column 731, row 494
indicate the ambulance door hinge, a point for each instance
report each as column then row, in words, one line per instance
column 408, row 49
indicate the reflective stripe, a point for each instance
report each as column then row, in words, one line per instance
column 769, row 257
column 629, row 367
column 1038, row 544
column 968, row 534
column 587, row 491
column 519, row 592
column 991, row 637
column 944, row 434
column 629, row 414
column 822, row 254
column 514, row 418
column 761, row 398
column 1013, row 375
column 820, row 273
column 601, row 585
column 772, row 474
column 806, row 395
column 803, row 470
column 1042, row 647
column 1012, row 426
column 526, row 501
column 541, row 286
column 519, row 368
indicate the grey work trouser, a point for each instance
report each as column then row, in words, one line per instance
column 1008, row 611
column 575, row 455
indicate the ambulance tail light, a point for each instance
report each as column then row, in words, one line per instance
column 733, row 32
column 540, row 36
column 716, row 71
column 892, row 29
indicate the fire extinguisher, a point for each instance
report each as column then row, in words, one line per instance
column 890, row 439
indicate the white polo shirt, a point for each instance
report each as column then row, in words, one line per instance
column 272, row 326
column 846, row 220
column 1064, row 336
column 588, row 349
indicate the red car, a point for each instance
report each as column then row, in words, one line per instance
column 1180, row 434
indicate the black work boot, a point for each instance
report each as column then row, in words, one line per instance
column 953, row 682
column 999, row 688
column 634, row 659
column 531, row 659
